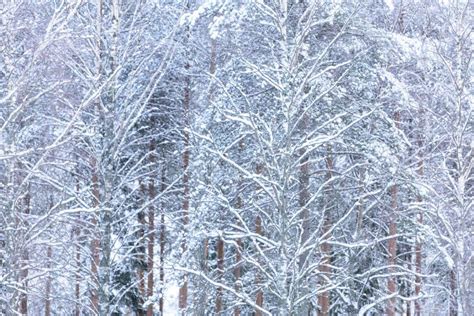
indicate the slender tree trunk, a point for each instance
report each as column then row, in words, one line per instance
column 95, row 239
column 303, row 200
column 238, row 272
column 183, row 291
column 324, row 299
column 220, row 272
column 141, row 254
column 392, row 242
column 49, row 279
column 304, row 196
column 238, row 250
column 162, row 243
column 418, row 253
column 47, row 305
column 77, row 289
column 151, row 234
column 258, row 279
column 25, row 257
column 77, row 235
column 259, row 296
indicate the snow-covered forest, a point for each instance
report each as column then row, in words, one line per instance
column 236, row 157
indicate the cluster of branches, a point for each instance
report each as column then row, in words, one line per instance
column 292, row 157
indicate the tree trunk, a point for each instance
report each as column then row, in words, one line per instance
column 151, row 233
column 453, row 301
column 141, row 254
column 238, row 272
column 183, row 291
column 47, row 305
column 25, row 257
column 392, row 242
column 95, row 239
column 418, row 254
column 77, row 289
column 220, row 272
column 324, row 267
column 258, row 279
column 259, row 296
column 238, row 250
column 162, row 243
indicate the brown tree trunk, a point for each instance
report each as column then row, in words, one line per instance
column 183, row 291
column 220, row 272
column 162, row 244
column 47, row 305
column 151, row 234
column 392, row 250
column 324, row 267
column 392, row 242
column 418, row 254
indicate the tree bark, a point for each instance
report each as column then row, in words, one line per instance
column 183, row 291
column 47, row 305
column 95, row 239
column 324, row 267
column 258, row 279
column 151, row 234
column 25, row 257
column 220, row 272
column 162, row 244
column 418, row 253
column 453, row 301
column 392, row 242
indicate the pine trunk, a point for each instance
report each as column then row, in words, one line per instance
column 151, row 234
column 162, row 244
column 183, row 291
column 324, row 267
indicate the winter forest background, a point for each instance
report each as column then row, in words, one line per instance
column 236, row 157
